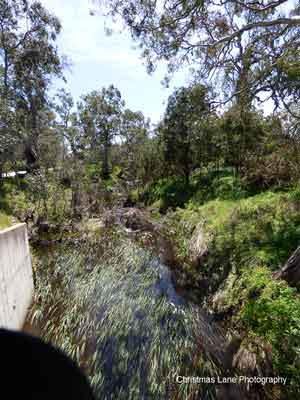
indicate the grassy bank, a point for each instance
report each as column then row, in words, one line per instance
column 5, row 220
column 242, row 237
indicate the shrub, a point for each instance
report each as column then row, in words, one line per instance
column 228, row 188
column 173, row 192
column 271, row 310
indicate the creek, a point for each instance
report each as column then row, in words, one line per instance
column 113, row 308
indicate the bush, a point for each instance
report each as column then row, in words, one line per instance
column 47, row 195
column 93, row 171
column 13, row 199
column 172, row 192
column 228, row 188
column 271, row 310
column 223, row 185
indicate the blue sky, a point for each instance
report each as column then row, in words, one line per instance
column 99, row 60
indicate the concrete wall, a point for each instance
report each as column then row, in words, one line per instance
column 16, row 281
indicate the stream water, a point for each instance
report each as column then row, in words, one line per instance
column 116, row 311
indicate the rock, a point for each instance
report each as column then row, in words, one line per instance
column 135, row 219
column 165, row 251
column 198, row 245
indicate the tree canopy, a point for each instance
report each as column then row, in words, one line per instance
column 251, row 47
column 29, row 59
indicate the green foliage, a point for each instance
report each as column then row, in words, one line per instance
column 100, row 115
column 174, row 192
column 186, row 110
column 247, row 65
column 93, row 171
column 5, row 220
column 29, row 59
column 273, row 163
column 171, row 192
column 264, row 226
column 49, row 198
column 241, row 134
column 271, row 310
column 221, row 185
column 248, row 239
column 13, row 198
column 260, row 229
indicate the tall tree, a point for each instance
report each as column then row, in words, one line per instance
column 185, row 109
column 242, row 134
column 101, row 117
column 257, row 40
column 29, row 60
column 134, row 136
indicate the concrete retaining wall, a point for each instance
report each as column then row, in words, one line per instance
column 16, row 281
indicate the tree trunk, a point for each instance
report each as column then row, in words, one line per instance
column 290, row 272
column 105, row 168
column 187, row 177
column 75, row 201
column 31, row 146
column 5, row 74
column 1, row 172
column 30, row 156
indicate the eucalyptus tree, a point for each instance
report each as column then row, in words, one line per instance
column 74, row 145
column 29, row 59
column 63, row 106
column 100, row 115
column 187, row 108
column 134, row 138
column 9, row 135
column 250, row 45
column 11, row 12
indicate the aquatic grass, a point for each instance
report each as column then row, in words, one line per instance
column 120, row 324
